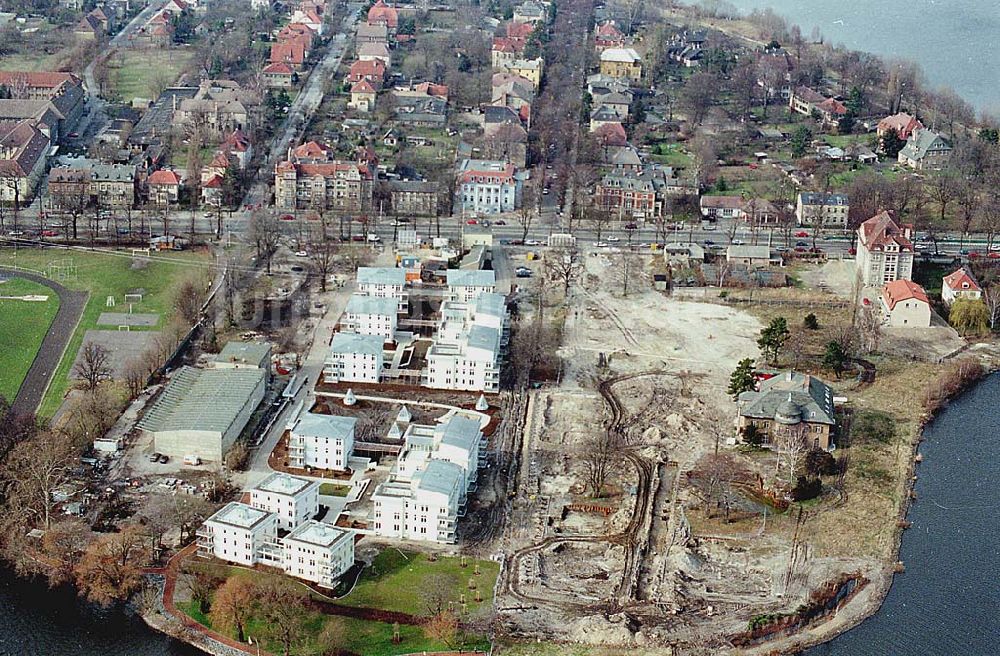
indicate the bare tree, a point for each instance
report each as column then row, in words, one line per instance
column 791, row 444
column 869, row 327
column 601, row 456
column 188, row 301
column 265, row 234
column 322, row 254
column 283, row 612
column 111, row 568
column 233, row 605
column 94, row 365
column 563, row 265
column 992, row 299
column 31, row 474
column 712, row 479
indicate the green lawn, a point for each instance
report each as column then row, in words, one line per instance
column 671, row 155
column 370, row 638
column 23, row 325
column 333, row 489
column 399, row 581
column 104, row 275
column 136, row 73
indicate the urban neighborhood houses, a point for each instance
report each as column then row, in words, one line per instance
column 884, row 251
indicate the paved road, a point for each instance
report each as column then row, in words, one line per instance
column 71, row 305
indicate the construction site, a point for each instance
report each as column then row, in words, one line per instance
column 637, row 561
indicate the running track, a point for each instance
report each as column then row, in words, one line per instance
column 71, row 305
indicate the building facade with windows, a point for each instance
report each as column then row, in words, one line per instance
column 489, row 186
column 294, row 500
column 424, row 507
column 384, row 282
column 321, row 441
column 312, row 178
column 884, row 251
column 237, row 534
column 371, row 315
column 318, row 552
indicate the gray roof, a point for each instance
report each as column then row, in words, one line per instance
column 814, row 198
column 112, row 172
column 251, row 352
column 333, row 427
column 439, row 476
column 381, row 276
column 461, row 431
column 282, row 483
column 363, row 304
column 379, row 30
column 240, row 515
column 491, row 304
column 318, row 533
column 921, row 142
column 350, row 343
column 417, row 186
column 471, row 278
column 484, row 337
column 202, row 399
column 812, row 397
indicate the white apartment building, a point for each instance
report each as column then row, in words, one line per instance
column 318, row 552
column 465, row 285
column 885, row 252
column 488, row 186
column 468, row 348
column 425, row 507
column 371, row 315
column 239, row 534
column 384, row 282
column 321, row 441
column 458, row 440
column 294, row 500
column 354, row 358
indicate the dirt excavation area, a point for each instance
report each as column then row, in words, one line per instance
column 609, row 542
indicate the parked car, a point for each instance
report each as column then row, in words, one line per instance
column 49, row 233
column 164, row 458
column 801, row 243
column 600, row 244
column 631, row 226
column 301, row 254
column 802, row 233
column 532, row 242
column 523, row 272
column 614, row 240
column 154, row 457
column 500, row 222
column 737, row 242
column 287, row 217
column 472, row 222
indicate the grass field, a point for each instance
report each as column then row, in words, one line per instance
column 23, row 325
column 332, row 489
column 133, row 72
column 104, row 275
column 398, row 581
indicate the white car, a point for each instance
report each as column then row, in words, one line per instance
column 614, row 240
column 301, row 254
column 737, row 242
column 600, row 244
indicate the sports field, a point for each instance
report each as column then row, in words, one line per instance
column 23, row 325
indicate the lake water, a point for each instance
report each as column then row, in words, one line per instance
column 947, row 602
column 36, row 621
column 956, row 42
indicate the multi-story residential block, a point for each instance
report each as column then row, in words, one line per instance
column 312, row 178
column 884, row 251
column 465, row 286
column 321, row 441
column 634, row 194
column 23, row 149
column 318, row 552
column 621, row 64
column 219, row 106
column 384, row 282
column 467, row 352
column 292, row 499
column 424, row 507
column 238, row 533
column 416, row 198
column 822, row 210
column 371, row 315
column 488, row 186
column 354, row 358
column 808, row 102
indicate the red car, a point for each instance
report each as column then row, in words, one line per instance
column 472, row 222
column 287, row 217
column 49, row 233
column 802, row 234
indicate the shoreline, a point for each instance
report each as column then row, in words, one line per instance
column 858, row 608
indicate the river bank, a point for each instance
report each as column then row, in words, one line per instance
column 868, row 601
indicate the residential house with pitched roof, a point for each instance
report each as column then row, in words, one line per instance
column 372, row 71
column 806, row 101
column 293, row 54
column 884, row 251
column 373, row 51
column 789, row 406
column 824, row 210
column 219, row 106
column 363, row 96
column 382, row 14
column 354, row 358
column 530, row 12
column 164, row 187
column 368, row 33
column 904, row 125
column 621, row 64
column 905, row 303
column 926, row 149
column 488, row 186
column 960, row 284
column 23, row 152
column 416, row 198
column 632, row 194
column 607, row 35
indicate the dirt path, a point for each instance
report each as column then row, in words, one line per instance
column 71, row 305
